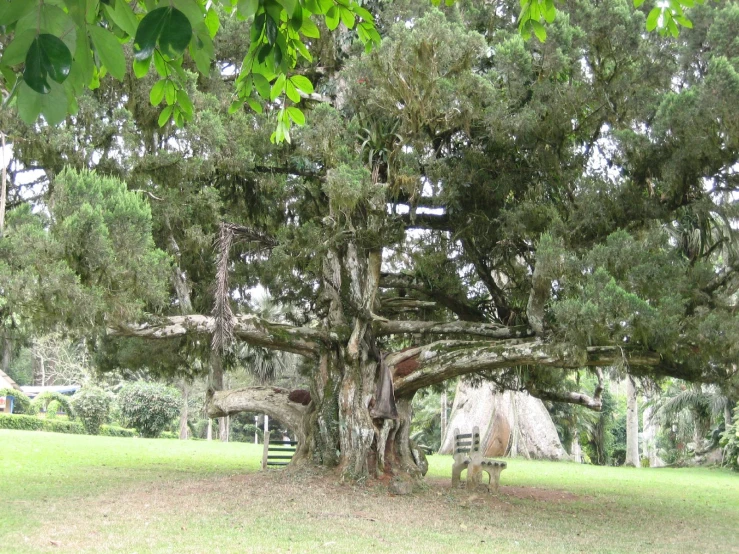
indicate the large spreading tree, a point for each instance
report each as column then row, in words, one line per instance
column 460, row 201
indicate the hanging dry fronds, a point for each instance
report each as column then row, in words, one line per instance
column 223, row 316
column 222, row 313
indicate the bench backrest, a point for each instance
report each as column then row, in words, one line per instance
column 467, row 445
column 277, row 454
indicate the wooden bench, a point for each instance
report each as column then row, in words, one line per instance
column 468, row 456
column 277, row 454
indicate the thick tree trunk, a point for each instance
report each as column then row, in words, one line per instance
column 511, row 423
column 649, row 438
column 632, row 424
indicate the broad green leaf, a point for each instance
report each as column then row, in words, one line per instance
column 292, row 92
column 191, row 9
column 684, row 21
column 303, row 50
column 270, row 29
column 52, row 20
column 54, row 106
column 47, row 56
column 157, row 93
column 277, row 88
column 289, row 5
column 109, row 50
column 539, row 30
column 170, row 93
column 212, row 22
column 141, row 67
column 256, row 106
column 185, row 103
column 16, row 51
column 653, row 18
column 364, row 14
column 262, row 85
column 638, row 3
column 672, row 27
column 309, row 29
column 123, row 16
column 11, row 12
column 160, row 65
column 29, row 104
column 247, row 8
column 164, row 116
column 347, row 18
column 83, row 67
column 302, row 83
column 296, row 115
column 167, row 27
column 332, row 18
column 235, row 107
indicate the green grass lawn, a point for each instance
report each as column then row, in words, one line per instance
column 72, row 493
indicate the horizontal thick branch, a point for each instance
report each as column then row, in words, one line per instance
column 456, row 303
column 593, row 403
column 253, row 330
column 488, row 330
column 273, row 401
column 433, row 363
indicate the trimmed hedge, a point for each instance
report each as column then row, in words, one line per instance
column 114, row 431
column 32, row 423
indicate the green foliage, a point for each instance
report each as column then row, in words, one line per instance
column 730, row 442
column 21, row 403
column 148, row 407
column 93, row 259
column 75, row 46
column 43, row 400
column 92, row 405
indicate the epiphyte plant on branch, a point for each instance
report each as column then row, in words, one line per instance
column 58, row 48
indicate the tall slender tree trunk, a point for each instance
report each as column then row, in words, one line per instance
column 7, row 352
column 3, row 183
column 185, row 389
column 632, row 424
column 443, row 414
column 209, row 430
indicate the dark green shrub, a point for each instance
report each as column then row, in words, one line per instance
column 92, row 404
column 148, row 407
column 43, row 400
column 22, row 404
column 169, row 435
column 730, row 442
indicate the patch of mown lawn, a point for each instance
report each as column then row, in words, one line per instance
column 101, row 494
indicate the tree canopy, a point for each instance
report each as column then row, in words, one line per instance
column 59, row 48
column 460, row 201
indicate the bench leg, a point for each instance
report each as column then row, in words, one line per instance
column 495, row 474
column 456, row 475
column 474, row 477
